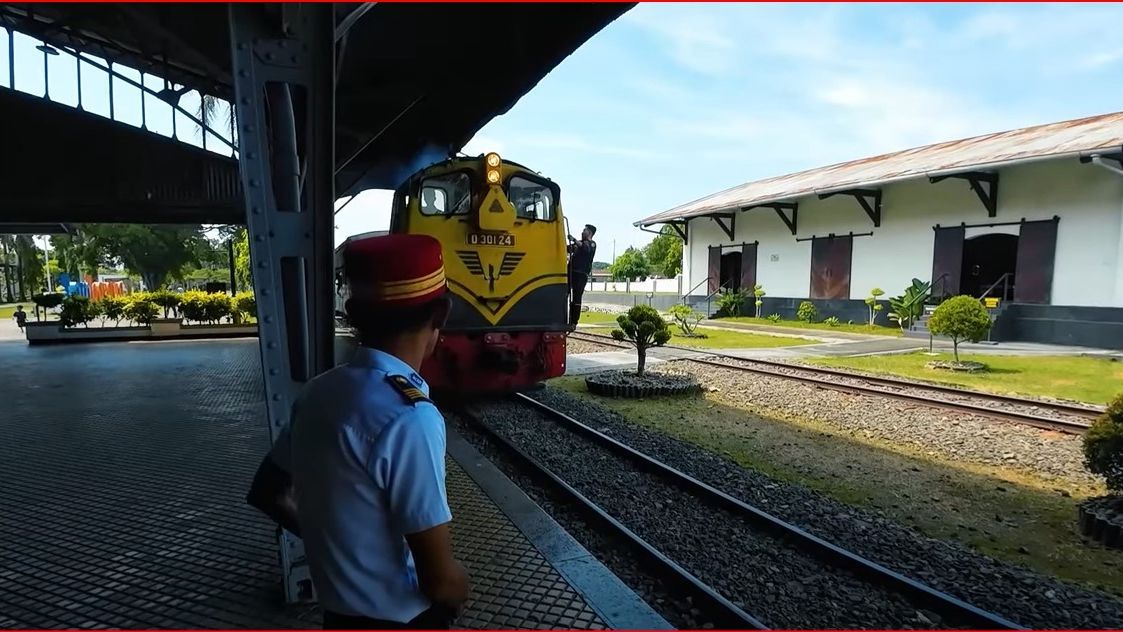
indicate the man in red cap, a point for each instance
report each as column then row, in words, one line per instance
column 359, row 472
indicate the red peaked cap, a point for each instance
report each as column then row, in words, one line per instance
column 395, row 270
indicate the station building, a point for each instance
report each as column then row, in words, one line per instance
column 1032, row 217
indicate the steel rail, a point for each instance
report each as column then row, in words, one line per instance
column 810, row 374
column 869, row 569
column 728, row 614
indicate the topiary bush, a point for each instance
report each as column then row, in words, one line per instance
column 1103, row 446
column 643, row 327
column 168, row 300
column 758, row 295
column 960, row 318
column 874, row 306
column 807, row 312
column 140, row 308
column 687, row 319
column 46, row 301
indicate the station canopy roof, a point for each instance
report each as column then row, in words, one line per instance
column 1081, row 137
column 415, row 81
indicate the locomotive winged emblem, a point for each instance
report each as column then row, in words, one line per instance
column 471, row 260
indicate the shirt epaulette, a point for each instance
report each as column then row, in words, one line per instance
column 411, row 393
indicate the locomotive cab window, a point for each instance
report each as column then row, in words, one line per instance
column 450, row 194
column 532, row 200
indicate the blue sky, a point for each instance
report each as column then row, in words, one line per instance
column 675, row 101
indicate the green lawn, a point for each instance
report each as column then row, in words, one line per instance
column 598, row 318
column 715, row 338
column 1085, row 379
column 857, row 328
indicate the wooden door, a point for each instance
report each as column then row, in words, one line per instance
column 830, row 267
column 947, row 261
column 748, row 267
column 1033, row 273
column 714, row 270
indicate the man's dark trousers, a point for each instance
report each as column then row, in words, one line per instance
column 577, row 283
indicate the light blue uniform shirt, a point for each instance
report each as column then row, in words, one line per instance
column 368, row 467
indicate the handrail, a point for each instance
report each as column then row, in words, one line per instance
column 691, row 290
column 1005, row 281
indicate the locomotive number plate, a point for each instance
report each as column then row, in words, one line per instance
column 491, row 239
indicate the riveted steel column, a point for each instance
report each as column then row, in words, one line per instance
column 284, row 75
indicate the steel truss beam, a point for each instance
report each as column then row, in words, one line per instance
column 983, row 183
column 869, row 199
column 727, row 228
column 284, row 79
column 782, row 208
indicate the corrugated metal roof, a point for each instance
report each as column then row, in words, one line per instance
column 1078, row 137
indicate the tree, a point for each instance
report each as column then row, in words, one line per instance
column 7, row 243
column 629, row 266
column 960, row 318
column 642, row 326
column 1103, row 446
column 77, row 253
column 153, row 252
column 664, row 253
column 242, row 273
column 30, row 266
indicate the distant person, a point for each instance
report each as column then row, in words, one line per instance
column 20, row 316
column 581, row 254
column 429, row 202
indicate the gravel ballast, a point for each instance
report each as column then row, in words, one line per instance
column 1026, row 597
column 773, row 579
column 960, row 436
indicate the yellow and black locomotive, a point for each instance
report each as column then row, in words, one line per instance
column 502, row 232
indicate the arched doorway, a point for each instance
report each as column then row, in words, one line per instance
column 985, row 259
column 730, row 275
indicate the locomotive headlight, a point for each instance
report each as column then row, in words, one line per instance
column 492, row 161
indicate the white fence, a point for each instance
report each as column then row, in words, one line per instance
column 669, row 286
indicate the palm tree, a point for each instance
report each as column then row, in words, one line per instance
column 208, row 107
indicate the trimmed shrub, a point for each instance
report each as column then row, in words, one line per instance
column 874, row 306
column 166, row 299
column 217, row 306
column 960, row 318
column 643, row 327
column 193, row 305
column 1103, row 446
column 113, row 307
column 807, row 312
column 140, row 308
column 77, row 310
column 245, row 304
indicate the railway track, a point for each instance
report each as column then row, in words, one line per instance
column 823, row 563
column 1057, row 416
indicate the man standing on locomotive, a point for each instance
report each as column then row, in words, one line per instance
column 359, row 473
column 581, row 255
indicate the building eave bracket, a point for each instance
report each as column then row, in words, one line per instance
column 682, row 228
column 983, row 183
column 869, row 199
column 727, row 222
column 782, row 209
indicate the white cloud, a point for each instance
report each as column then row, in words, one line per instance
column 696, row 40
